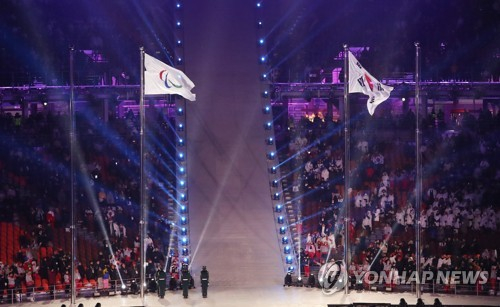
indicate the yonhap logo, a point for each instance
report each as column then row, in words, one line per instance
column 332, row 277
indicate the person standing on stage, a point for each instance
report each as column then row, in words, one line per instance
column 161, row 280
column 204, row 281
column 185, row 279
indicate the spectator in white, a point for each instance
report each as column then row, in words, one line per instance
column 123, row 230
column 29, row 279
column 309, row 239
column 362, row 146
column 357, row 200
column 387, row 232
column 148, row 241
column 385, row 179
column 78, row 276
column 116, row 229
column 400, row 217
column 308, row 167
column 325, row 174
column 366, row 200
column 382, row 190
column 423, row 219
column 331, row 241
column 437, row 218
column 367, row 222
column 376, row 216
column 410, row 215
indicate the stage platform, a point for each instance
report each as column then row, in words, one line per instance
column 272, row 296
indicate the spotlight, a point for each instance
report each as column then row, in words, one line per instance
column 275, row 183
column 276, row 196
column 180, row 127
column 265, row 94
column 183, row 209
column 182, row 170
column 278, row 208
column 184, row 241
column 185, row 260
column 182, row 183
column 179, row 60
column 271, row 155
column 281, row 219
column 180, row 111
column 282, row 230
column 284, row 240
column 124, row 286
column 266, row 110
column 263, row 59
column 268, row 125
column 184, row 252
column 183, row 220
column 183, row 231
column 183, row 197
column 289, row 259
column 181, row 156
column 180, row 142
column 263, row 77
column 178, row 24
column 270, row 140
column 286, row 249
column 291, row 269
column 273, row 169
column 259, row 4
column 260, row 24
column 179, row 43
column 261, row 41
column 177, row 5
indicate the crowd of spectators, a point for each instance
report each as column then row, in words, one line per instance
column 459, row 214
column 35, row 197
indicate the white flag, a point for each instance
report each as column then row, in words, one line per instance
column 360, row 81
column 159, row 78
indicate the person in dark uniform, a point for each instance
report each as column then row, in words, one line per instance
column 185, row 280
column 311, row 281
column 161, row 280
column 288, row 279
column 204, row 281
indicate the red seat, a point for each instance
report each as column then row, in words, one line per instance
column 45, row 284
column 43, row 252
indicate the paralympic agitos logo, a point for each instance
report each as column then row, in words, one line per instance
column 168, row 83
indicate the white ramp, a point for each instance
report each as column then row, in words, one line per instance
column 231, row 220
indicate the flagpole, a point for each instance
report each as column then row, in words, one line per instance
column 347, row 166
column 418, row 181
column 72, row 173
column 142, row 222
